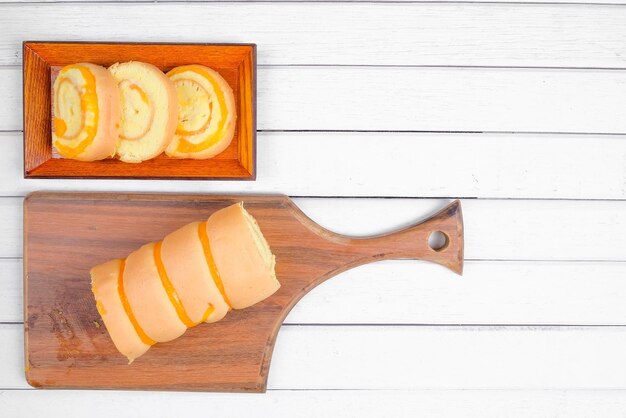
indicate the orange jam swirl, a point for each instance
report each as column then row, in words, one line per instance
column 60, row 127
column 207, row 313
column 88, row 104
column 129, row 312
column 206, row 246
column 131, row 85
column 142, row 94
column 169, row 288
column 188, row 147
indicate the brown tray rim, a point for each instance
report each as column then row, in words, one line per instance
column 253, row 169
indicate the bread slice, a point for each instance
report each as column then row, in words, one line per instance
column 86, row 107
column 242, row 256
column 207, row 113
column 189, row 272
column 105, row 280
column 149, row 110
column 151, row 302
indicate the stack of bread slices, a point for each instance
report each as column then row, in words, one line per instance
column 135, row 112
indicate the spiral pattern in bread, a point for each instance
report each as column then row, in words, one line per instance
column 86, row 112
column 207, row 113
column 149, row 110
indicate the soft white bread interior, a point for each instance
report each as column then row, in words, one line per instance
column 242, row 256
column 105, row 279
column 86, row 107
column 207, row 113
column 148, row 296
column 149, row 110
column 188, row 267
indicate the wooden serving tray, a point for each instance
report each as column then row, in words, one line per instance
column 43, row 60
column 65, row 234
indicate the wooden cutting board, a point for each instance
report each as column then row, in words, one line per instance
column 65, row 234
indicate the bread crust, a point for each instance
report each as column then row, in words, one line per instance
column 148, row 299
column 247, row 275
column 187, row 268
column 104, row 281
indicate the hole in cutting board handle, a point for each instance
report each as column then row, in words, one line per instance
column 438, row 241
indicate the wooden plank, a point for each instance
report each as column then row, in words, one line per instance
column 352, row 33
column 312, row 404
column 494, row 229
column 438, row 165
column 489, row 293
column 422, row 357
column 11, row 292
column 424, row 99
column 11, row 105
column 11, row 227
column 337, row 1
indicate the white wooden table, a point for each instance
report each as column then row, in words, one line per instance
column 373, row 114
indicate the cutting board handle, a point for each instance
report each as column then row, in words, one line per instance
column 65, row 350
column 413, row 242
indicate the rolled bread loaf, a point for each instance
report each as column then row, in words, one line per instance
column 86, row 112
column 196, row 274
column 149, row 110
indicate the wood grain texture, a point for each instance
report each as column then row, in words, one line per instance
column 352, row 33
column 38, row 101
column 236, row 63
column 64, row 346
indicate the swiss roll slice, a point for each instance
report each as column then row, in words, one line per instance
column 191, row 271
column 86, row 107
column 106, row 284
column 151, row 297
column 149, row 110
column 207, row 113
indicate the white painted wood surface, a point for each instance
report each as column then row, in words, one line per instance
column 316, row 403
column 518, row 104
column 395, row 165
column 348, row 34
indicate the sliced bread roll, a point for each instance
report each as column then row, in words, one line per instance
column 152, row 299
column 106, row 283
column 149, row 110
column 197, row 273
column 86, row 111
column 242, row 256
column 207, row 113
column 191, row 271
